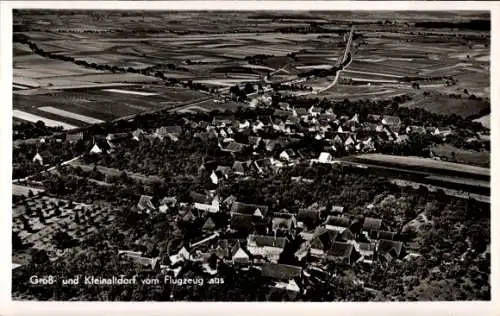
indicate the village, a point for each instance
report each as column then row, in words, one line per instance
column 292, row 249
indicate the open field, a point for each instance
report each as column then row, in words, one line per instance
column 478, row 158
column 215, row 56
column 72, row 115
column 423, row 163
column 24, row 190
column 35, row 118
column 442, row 104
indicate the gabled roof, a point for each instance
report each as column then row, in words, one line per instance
column 280, row 271
column 145, row 202
column 366, row 246
column 189, row 216
column 226, row 119
column 254, row 140
column 308, row 215
column 337, row 209
column 387, row 246
column 267, row 241
column 339, row 221
column 239, row 167
column 282, row 113
column 200, row 198
column 242, row 222
column 371, row 223
column 249, row 209
column 386, row 235
column 323, row 239
column 169, row 130
column 301, row 111
column 340, row 250
column 391, row 120
column 282, row 222
column 270, row 144
column 233, row 147
column 209, row 224
column 224, row 170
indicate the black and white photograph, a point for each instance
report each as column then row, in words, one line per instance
column 250, row 155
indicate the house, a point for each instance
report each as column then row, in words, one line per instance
column 412, row 129
column 205, row 203
column 269, row 144
column 232, row 147
column 182, row 255
column 283, row 222
column 386, row 235
column 292, row 120
column 228, row 202
column 224, row 171
column 242, row 222
column 239, row 255
column 189, row 217
column 172, row 132
column 388, row 250
column 38, row 158
column 136, row 257
column 281, row 272
column 442, row 131
column 336, row 210
column 394, row 122
column 223, row 121
column 310, row 217
column 146, row 204
column 244, row 125
column 167, row 202
column 269, row 247
column 342, row 252
column 290, row 287
column 95, row 149
column 249, row 209
column 314, row 110
column 73, row 138
column 371, row 226
column 257, row 126
column 288, row 155
column 321, row 241
column 300, row 112
column 254, row 141
column 325, row 157
column 240, row 168
column 265, row 165
column 209, row 225
column 367, row 251
column 340, row 225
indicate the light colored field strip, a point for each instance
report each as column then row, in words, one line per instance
column 131, row 92
column 372, row 73
column 35, row 118
column 83, row 118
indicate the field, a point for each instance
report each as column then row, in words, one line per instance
column 187, row 46
column 443, row 104
column 423, row 163
column 77, row 108
column 478, row 158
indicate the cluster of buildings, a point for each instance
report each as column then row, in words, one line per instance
column 294, row 251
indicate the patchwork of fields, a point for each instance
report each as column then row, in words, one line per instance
column 217, row 57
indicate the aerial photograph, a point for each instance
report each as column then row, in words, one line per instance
column 253, row 156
